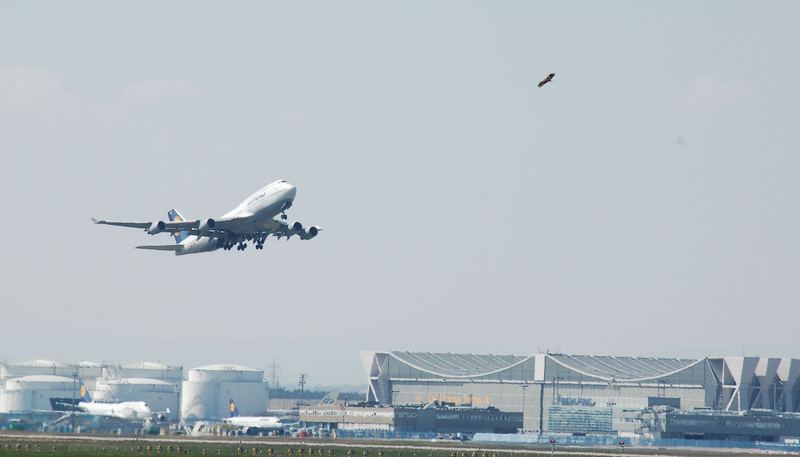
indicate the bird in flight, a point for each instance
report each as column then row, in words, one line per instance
column 546, row 80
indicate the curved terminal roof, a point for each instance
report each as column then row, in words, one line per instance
column 226, row 367
column 606, row 368
column 622, row 368
column 458, row 365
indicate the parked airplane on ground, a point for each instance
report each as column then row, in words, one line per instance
column 253, row 220
column 129, row 410
column 251, row 424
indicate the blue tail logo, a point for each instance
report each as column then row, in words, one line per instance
column 175, row 216
column 232, row 408
column 85, row 396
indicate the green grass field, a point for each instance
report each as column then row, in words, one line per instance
column 92, row 445
column 232, row 447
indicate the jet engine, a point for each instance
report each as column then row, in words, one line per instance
column 156, row 227
column 207, row 225
column 312, row 232
column 297, row 227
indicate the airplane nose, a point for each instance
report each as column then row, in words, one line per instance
column 291, row 191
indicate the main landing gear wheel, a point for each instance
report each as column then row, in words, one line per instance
column 242, row 246
column 259, row 246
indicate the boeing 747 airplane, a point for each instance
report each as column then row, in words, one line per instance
column 128, row 410
column 253, row 220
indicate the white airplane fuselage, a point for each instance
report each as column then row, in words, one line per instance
column 256, row 422
column 130, row 410
column 256, row 213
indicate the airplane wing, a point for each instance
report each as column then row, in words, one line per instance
column 297, row 228
column 228, row 224
column 218, row 228
column 139, row 225
column 161, row 225
column 166, row 247
column 227, row 228
column 212, row 228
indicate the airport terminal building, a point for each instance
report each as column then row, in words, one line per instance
column 582, row 393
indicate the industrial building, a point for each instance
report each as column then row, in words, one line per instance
column 433, row 418
column 45, row 386
column 581, row 393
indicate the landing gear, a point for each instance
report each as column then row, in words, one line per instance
column 259, row 246
column 241, row 246
column 286, row 206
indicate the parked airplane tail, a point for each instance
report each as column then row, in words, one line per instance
column 233, row 409
column 84, row 391
column 175, row 216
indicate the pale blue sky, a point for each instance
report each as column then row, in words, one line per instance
column 645, row 202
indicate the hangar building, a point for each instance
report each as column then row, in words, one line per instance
column 581, row 393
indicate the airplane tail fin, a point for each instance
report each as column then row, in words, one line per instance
column 232, row 408
column 175, row 216
column 84, row 391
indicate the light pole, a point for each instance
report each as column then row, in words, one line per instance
column 524, row 389
column 552, row 446
column 74, row 386
column 302, row 385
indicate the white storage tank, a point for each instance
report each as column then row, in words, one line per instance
column 207, row 389
column 34, row 367
column 33, row 393
column 149, row 370
column 159, row 395
column 89, row 372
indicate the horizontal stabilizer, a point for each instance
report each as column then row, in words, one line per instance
column 165, row 247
